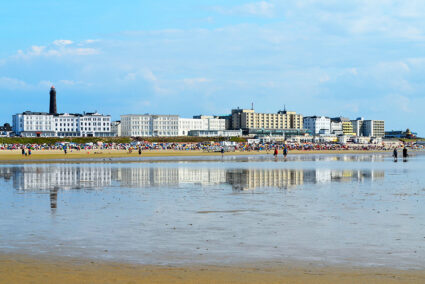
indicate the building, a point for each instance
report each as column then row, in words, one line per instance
column 5, row 130
column 342, row 126
column 374, row 128
column 33, row 124
column 401, row 134
column 116, row 128
column 214, row 122
column 215, row 133
column 317, row 124
column 370, row 128
column 147, row 125
column 41, row 124
column 201, row 122
column 52, row 107
column 227, row 121
column 248, row 119
column 52, row 124
column 188, row 124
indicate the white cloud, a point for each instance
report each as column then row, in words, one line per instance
column 12, row 83
column 149, row 76
column 62, row 42
column 58, row 48
column 261, row 8
column 193, row 81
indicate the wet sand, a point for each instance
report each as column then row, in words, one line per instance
column 25, row 269
column 10, row 156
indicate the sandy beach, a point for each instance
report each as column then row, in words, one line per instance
column 7, row 156
column 25, row 269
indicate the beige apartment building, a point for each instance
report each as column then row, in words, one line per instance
column 249, row 119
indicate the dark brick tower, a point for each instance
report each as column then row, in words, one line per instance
column 53, row 109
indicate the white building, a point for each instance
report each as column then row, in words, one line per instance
column 116, row 128
column 317, row 124
column 215, row 133
column 41, row 124
column 33, row 124
column 201, row 122
column 145, row 125
column 336, row 127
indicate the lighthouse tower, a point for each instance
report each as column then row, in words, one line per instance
column 53, row 109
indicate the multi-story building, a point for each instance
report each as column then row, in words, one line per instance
column 215, row 133
column 41, row 124
column 167, row 125
column 374, row 128
column 200, row 122
column 341, row 126
column 248, row 119
column 370, row 128
column 146, row 125
column 116, row 128
column 317, row 124
column 33, row 124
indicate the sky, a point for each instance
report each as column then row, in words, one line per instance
column 353, row 58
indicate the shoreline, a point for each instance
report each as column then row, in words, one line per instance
column 42, row 156
column 30, row 269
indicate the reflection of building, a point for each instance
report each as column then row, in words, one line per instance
column 63, row 177
column 54, row 179
column 149, row 177
column 243, row 179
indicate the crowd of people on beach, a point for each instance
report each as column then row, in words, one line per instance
column 206, row 147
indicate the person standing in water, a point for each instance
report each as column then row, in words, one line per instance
column 285, row 151
column 276, row 152
column 395, row 154
column 140, row 150
column 405, row 155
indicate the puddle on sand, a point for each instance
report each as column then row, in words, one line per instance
column 346, row 209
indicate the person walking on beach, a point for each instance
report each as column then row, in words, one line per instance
column 285, row 151
column 23, row 152
column 64, row 150
column 222, row 152
column 395, row 154
column 29, row 152
column 276, row 152
column 140, row 151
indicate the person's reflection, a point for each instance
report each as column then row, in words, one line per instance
column 54, row 199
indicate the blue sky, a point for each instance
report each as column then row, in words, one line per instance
column 330, row 57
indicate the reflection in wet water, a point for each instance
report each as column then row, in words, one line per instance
column 54, row 178
column 354, row 211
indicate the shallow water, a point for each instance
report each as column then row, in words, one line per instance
column 362, row 210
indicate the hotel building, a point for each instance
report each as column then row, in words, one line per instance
column 249, row 120
column 369, row 128
column 52, row 124
column 168, row 125
column 317, row 124
column 42, row 124
column 146, row 125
